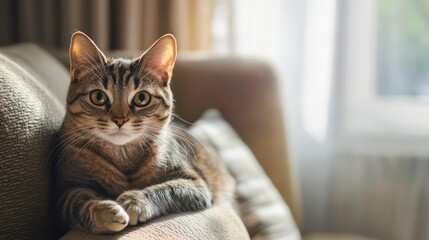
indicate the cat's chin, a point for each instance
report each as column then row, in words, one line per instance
column 119, row 139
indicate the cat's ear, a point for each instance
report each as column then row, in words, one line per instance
column 159, row 59
column 85, row 56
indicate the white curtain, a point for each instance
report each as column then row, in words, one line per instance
column 360, row 185
column 296, row 37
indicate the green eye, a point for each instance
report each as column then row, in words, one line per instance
column 141, row 99
column 98, row 97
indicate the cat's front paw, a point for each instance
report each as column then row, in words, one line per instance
column 136, row 206
column 108, row 217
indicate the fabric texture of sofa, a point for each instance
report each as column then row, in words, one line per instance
column 33, row 87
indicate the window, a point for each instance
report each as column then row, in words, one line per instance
column 384, row 69
column 403, row 48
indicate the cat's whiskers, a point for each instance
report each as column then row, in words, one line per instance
column 168, row 130
column 185, row 141
column 62, row 138
column 201, row 144
column 96, row 138
column 91, row 140
column 154, row 137
column 177, row 155
column 183, row 120
column 177, row 133
column 148, row 146
column 183, row 138
column 75, row 139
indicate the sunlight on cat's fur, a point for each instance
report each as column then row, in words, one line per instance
column 119, row 161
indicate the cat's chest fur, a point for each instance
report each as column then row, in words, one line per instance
column 115, row 169
column 127, row 158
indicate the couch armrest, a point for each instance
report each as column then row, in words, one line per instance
column 213, row 223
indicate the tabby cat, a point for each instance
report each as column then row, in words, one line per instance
column 120, row 160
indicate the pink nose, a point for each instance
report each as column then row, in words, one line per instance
column 120, row 121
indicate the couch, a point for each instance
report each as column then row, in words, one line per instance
column 33, row 86
column 247, row 130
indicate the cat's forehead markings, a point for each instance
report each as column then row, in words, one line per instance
column 117, row 67
column 114, row 64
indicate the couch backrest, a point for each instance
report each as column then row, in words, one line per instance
column 32, row 95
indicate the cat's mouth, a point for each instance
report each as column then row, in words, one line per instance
column 119, row 133
column 118, row 136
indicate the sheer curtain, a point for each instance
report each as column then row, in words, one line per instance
column 360, row 160
column 272, row 31
column 297, row 39
column 379, row 176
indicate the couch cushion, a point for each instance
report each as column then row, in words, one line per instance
column 213, row 223
column 263, row 211
column 46, row 70
column 29, row 115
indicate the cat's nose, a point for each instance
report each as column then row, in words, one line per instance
column 120, row 120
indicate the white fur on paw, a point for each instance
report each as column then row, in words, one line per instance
column 109, row 217
column 134, row 212
column 134, row 205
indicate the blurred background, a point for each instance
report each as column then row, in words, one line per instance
column 353, row 77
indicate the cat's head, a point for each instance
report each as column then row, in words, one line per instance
column 120, row 100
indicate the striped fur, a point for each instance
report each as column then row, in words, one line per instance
column 107, row 175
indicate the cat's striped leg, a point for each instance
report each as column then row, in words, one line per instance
column 81, row 208
column 181, row 195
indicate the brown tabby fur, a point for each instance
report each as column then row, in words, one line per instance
column 105, row 182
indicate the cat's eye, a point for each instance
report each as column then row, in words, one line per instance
column 141, row 99
column 98, row 97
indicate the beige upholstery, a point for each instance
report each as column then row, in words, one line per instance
column 32, row 95
column 208, row 224
column 29, row 115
